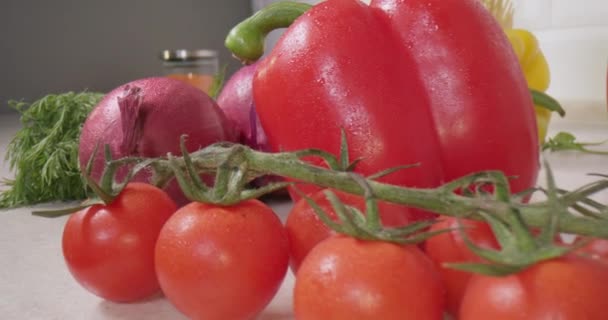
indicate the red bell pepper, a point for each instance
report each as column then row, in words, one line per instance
column 433, row 82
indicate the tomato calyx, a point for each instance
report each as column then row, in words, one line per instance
column 343, row 163
column 233, row 175
column 230, row 183
column 108, row 188
column 519, row 246
column 368, row 226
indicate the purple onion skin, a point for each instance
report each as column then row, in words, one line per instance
column 145, row 118
column 236, row 100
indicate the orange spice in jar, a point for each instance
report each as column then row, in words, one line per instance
column 196, row 67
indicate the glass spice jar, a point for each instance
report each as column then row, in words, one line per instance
column 196, row 67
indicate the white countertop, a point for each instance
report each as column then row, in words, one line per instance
column 35, row 283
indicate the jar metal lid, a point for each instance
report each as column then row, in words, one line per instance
column 187, row 55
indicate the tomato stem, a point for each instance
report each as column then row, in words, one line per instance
column 232, row 175
column 442, row 200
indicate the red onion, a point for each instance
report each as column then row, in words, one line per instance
column 236, row 100
column 146, row 118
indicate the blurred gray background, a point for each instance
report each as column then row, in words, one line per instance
column 68, row 45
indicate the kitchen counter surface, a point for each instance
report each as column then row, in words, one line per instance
column 35, row 283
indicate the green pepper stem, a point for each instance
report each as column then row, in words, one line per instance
column 246, row 40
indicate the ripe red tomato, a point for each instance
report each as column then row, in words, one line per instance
column 450, row 247
column 343, row 278
column 595, row 249
column 222, row 263
column 109, row 249
column 567, row 288
column 305, row 230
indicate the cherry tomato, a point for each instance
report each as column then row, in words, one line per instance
column 222, row 263
column 450, row 247
column 595, row 249
column 343, row 278
column 305, row 229
column 566, row 288
column 109, row 249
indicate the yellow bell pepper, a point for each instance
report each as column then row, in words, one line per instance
column 535, row 69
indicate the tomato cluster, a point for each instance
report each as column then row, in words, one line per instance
column 211, row 262
column 345, row 278
column 228, row 262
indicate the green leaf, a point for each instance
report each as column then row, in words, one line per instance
column 567, row 141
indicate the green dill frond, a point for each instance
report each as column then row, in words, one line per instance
column 43, row 154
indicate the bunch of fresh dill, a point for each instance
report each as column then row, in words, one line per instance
column 43, row 154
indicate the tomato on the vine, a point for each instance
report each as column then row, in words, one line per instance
column 343, row 278
column 305, row 230
column 450, row 247
column 568, row 288
column 222, row 262
column 109, row 249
